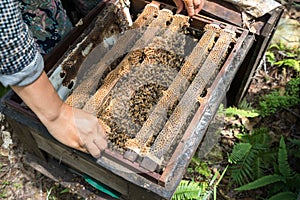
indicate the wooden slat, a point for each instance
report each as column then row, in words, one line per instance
column 246, row 72
column 128, row 183
column 88, row 86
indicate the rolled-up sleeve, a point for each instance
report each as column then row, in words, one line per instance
column 20, row 61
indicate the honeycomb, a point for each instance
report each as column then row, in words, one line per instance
column 131, row 61
column 146, row 98
column 120, row 109
column 88, row 86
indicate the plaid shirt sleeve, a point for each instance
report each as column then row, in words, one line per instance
column 17, row 47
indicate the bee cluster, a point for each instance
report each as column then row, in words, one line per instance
column 143, row 100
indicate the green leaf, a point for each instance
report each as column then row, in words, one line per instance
column 293, row 87
column 291, row 54
column 3, row 195
column 275, row 46
column 198, row 166
column 263, row 181
column 258, row 137
column 270, row 57
column 274, row 101
column 284, row 195
column 196, row 160
column 295, row 141
column 294, row 182
column 244, row 157
column 283, row 164
column 66, row 190
column 231, row 111
column 290, row 63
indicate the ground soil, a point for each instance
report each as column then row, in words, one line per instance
column 19, row 181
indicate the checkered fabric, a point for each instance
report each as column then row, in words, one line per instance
column 17, row 47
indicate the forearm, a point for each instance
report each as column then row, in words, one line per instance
column 41, row 98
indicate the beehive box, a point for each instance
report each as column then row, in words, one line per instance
column 155, row 87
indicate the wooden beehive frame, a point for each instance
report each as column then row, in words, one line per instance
column 132, row 171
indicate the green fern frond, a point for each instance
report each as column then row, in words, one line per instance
column 295, row 142
column 262, row 142
column 221, row 109
column 283, row 164
column 293, row 87
column 257, row 168
column 199, row 167
column 189, row 190
column 243, row 171
column 295, row 64
column 284, row 195
column 252, row 156
column 196, row 160
column 274, row 101
column 268, row 158
column 294, row 148
column 239, row 152
column 263, row 181
column 245, row 105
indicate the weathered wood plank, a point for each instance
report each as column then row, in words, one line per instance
column 62, row 175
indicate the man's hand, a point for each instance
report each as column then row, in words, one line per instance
column 79, row 130
column 70, row 126
column 193, row 7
